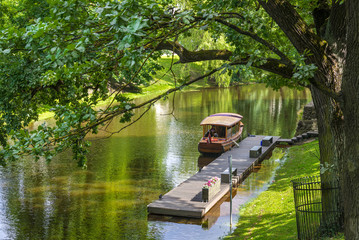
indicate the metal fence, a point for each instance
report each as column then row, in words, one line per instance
column 316, row 218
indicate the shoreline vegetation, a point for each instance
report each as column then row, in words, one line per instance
column 271, row 215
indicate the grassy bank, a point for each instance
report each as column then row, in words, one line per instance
column 272, row 215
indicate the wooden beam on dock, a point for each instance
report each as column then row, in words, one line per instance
column 185, row 200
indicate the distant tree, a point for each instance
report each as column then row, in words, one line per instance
column 63, row 58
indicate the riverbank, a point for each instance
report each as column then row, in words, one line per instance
column 272, row 215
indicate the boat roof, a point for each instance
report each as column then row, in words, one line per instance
column 222, row 119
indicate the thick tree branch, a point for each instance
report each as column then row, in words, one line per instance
column 256, row 38
column 272, row 65
column 292, row 24
column 304, row 40
column 276, row 66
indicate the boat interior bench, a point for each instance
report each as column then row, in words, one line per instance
column 225, row 175
column 255, row 151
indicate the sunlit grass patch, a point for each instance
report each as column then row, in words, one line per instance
column 272, row 215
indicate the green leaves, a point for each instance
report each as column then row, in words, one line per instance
column 303, row 72
column 80, row 48
column 73, row 53
column 6, row 51
column 64, row 61
column 137, row 24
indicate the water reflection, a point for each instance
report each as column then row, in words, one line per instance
column 129, row 170
column 216, row 222
column 204, row 160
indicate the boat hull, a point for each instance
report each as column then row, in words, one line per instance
column 218, row 146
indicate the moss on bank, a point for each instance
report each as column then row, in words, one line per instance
column 272, row 215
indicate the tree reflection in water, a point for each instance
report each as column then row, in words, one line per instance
column 126, row 172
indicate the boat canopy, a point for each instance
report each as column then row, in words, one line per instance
column 222, row 119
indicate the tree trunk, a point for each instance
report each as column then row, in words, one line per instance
column 331, row 143
column 326, row 85
column 350, row 171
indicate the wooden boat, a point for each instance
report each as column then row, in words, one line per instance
column 220, row 132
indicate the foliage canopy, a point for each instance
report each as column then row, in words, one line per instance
column 66, row 56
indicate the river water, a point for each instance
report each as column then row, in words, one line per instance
column 129, row 170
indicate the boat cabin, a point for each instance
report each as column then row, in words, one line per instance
column 220, row 131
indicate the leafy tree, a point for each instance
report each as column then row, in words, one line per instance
column 65, row 57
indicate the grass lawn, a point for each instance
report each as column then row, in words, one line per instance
column 272, row 215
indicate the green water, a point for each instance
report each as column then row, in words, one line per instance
column 129, row 170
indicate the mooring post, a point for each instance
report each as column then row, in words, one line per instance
column 230, row 188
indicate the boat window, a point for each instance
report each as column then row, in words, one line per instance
column 229, row 132
column 235, row 129
column 221, row 131
column 206, row 129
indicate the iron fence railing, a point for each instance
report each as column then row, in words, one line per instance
column 316, row 218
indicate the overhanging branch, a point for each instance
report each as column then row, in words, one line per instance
column 272, row 65
column 276, row 66
column 257, row 38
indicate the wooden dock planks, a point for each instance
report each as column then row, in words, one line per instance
column 185, row 200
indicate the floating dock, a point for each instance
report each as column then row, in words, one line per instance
column 185, row 200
